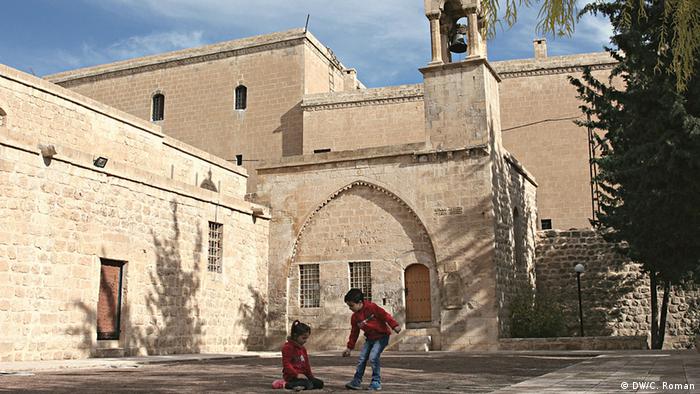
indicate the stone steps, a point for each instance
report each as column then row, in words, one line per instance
column 415, row 343
column 108, row 349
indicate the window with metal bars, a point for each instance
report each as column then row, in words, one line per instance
column 158, row 107
column 309, row 286
column 241, row 97
column 361, row 277
column 216, row 239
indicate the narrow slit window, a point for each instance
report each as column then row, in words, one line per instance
column 361, row 277
column 3, row 115
column 216, row 238
column 309, row 286
column 158, row 107
column 241, row 97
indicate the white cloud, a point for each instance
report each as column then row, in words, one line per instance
column 385, row 40
column 131, row 47
column 155, row 43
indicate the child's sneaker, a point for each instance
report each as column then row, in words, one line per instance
column 353, row 385
column 375, row 386
column 298, row 388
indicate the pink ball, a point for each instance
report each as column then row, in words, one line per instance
column 278, row 384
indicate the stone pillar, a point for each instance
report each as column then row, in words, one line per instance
column 435, row 38
column 445, row 36
column 474, row 36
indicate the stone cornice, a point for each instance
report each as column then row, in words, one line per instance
column 416, row 151
column 552, row 71
column 361, row 103
column 380, row 96
column 554, row 65
column 121, row 70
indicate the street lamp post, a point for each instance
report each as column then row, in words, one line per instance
column 579, row 268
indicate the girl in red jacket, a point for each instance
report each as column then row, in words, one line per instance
column 375, row 322
column 295, row 361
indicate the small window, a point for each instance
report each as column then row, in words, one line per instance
column 309, row 286
column 3, row 115
column 216, row 238
column 158, row 107
column 546, row 224
column 241, row 97
column 361, row 278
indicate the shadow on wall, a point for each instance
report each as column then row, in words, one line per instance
column 166, row 320
column 610, row 289
column 292, row 129
column 252, row 320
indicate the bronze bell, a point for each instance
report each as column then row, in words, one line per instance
column 458, row 40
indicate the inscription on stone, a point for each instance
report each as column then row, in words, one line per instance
column 448, row 211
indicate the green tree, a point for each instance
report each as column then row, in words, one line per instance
column 681, row 20
column 649, row 134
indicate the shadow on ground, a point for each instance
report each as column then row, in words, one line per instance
column 401, row 372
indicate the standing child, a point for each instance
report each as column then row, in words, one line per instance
column 373, row 320
column 296, row 368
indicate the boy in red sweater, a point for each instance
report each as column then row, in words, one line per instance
column 296, row 368
column 375, row 322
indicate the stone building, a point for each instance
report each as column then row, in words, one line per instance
column 252, row 182
column 117, row 239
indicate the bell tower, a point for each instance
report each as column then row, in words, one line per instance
column 461, row 97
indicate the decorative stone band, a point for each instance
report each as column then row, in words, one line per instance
column 554, row 70
column 362, row 103
column 367, row 97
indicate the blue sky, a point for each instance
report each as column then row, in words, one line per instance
column 385, row 40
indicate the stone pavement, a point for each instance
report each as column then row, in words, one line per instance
column 434, row 372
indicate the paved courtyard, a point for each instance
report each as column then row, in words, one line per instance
column 435, row 372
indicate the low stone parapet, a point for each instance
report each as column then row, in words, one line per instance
column 575, row 343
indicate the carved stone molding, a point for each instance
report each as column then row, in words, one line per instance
column 361, row 103
column 553, row 70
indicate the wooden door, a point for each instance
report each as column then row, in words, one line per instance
column 417, row 277
column 109, row 300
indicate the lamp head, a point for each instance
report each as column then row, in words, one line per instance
column 100, row 162
column 579, row 268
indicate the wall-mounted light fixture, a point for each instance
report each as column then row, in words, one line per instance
column 47, row 150
column 100, row 162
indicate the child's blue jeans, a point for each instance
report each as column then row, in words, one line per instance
column 371, row 351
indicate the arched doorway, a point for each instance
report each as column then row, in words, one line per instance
column 417, row 284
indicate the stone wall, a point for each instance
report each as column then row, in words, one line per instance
column 396, row 192
column 62, row 217
column 615, row 294
column 516, row 226
column 199, row 85
column 363, row 118
column 538, row 108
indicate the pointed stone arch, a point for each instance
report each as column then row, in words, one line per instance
column 333, row 196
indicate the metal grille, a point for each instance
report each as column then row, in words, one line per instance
column 241, row 97
column 216, row 239
column 361, row 277
column 158, row 107
column 309, row 286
